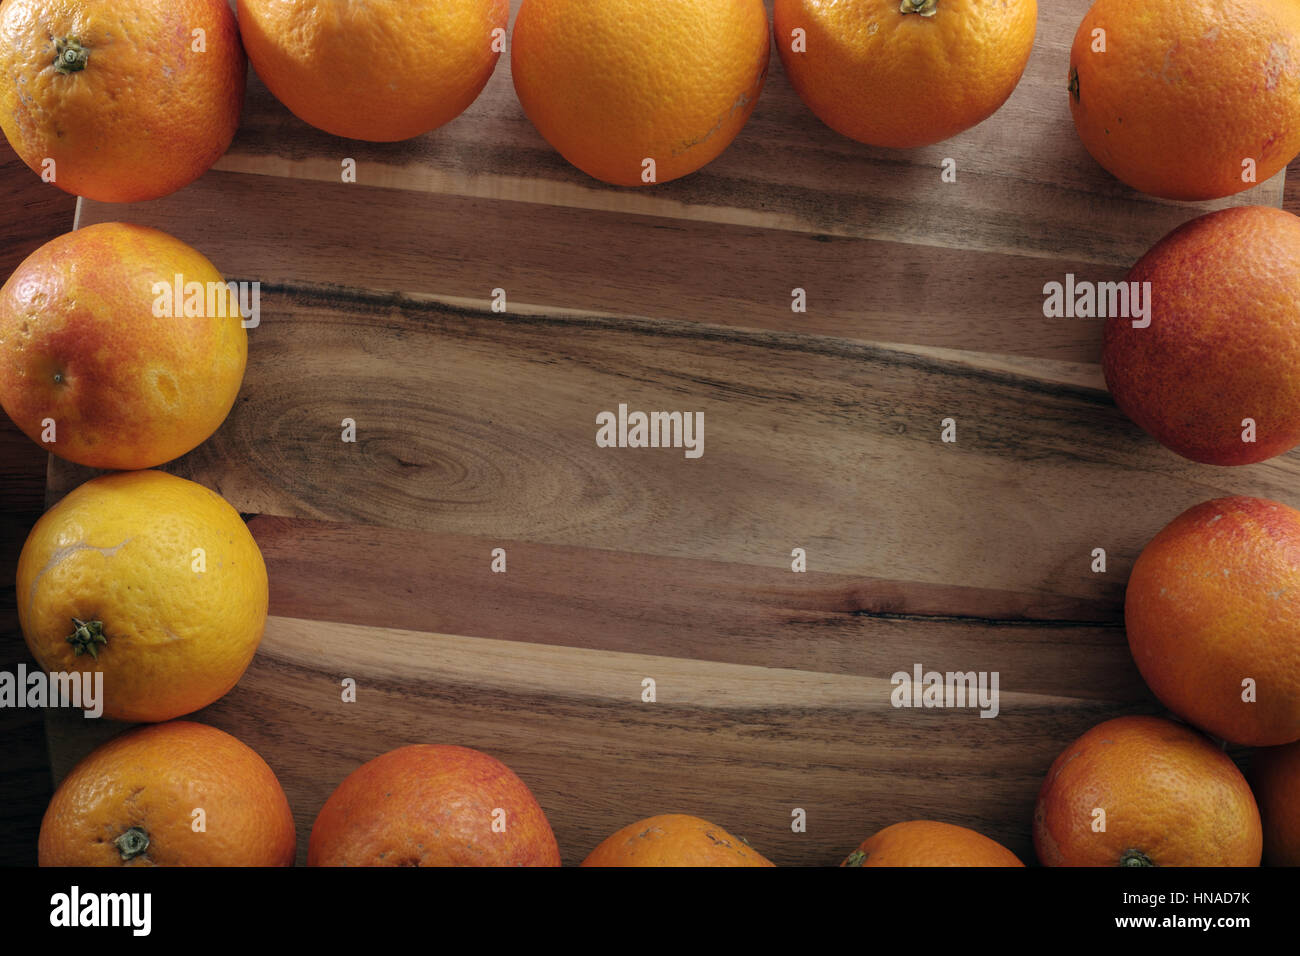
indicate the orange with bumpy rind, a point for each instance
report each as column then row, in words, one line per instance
column 1212, row 612
column 1188, row 99
column 1145, row 791
column 930, row 843
column 1212, row 370
column 1275, row 779
column 904, row 73
column 101, row 367
column 432, row 805
column 153, row 581
column 120, row 100
column 133, row 802
column 614, row 84
column 384, row 70
column 674, row 839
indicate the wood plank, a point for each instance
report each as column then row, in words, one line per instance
column 484, row 425
column 458, row 250
column 741, row 745
column 1026, row 185
column 689, row 609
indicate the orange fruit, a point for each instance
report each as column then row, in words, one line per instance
column 432, row 805
column 615, row 84
column 904, row 74
column 99, row 362
column 150, row 579
column 1145, row 791
column 1151, row 102
column 674, row 839
column 929, row 843
column 384, row 70
column 130, row 99
column 1213, row 618
column 1223, row 344
column 1275, row 778
column 174, row 794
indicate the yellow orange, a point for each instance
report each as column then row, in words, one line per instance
column 151, row 580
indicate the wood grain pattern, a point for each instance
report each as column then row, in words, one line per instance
column 735, row 742
column 606, row 264
column 475, row 430
column 485, row 425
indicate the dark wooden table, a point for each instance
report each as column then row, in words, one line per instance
column 34, row 213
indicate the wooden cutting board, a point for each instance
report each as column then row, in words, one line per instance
column 475, row 430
